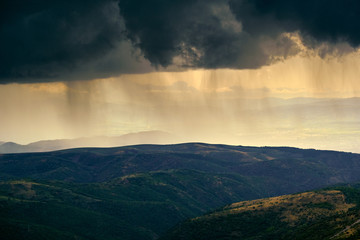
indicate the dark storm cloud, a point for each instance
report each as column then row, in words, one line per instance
column 236, row 33
column 202, row 33
column 321, row 20
column 43, row 40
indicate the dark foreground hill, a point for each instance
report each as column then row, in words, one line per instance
column 139, row 192
column 139, row 206
column 332, row 213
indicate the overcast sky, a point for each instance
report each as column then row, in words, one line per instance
column 229, row 71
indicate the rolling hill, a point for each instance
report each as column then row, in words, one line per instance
column 139, row 192
column 283, row 170
column 332, row 213
column 140, row 206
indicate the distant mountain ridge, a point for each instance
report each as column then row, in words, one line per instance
column 147, row 137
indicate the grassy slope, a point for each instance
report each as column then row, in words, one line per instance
column 320, row 214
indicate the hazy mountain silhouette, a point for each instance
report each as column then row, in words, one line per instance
column 154, row 137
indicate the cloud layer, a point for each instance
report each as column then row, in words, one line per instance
column 42, row 40
column 64, row 40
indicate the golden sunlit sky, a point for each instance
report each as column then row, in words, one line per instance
column 222, row 71
column 297, row 102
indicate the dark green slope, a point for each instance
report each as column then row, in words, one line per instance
column 139, row 206
column 332, row 213
column 295, row 169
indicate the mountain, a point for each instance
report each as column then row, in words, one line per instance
column 139, row 192
column 281, row 169
column 332, row 213
column 154, row 137
column 11, row 147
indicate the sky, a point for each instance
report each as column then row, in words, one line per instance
column 259, row 72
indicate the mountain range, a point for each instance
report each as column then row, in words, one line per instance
column 141, row 191
column 147, row 137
